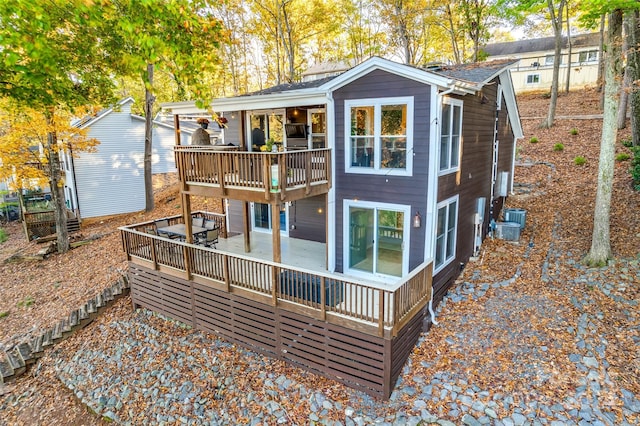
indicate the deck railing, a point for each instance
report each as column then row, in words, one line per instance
column 264, row 171
column 371, row 307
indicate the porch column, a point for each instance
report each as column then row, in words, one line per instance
column 275, row 232
column 246, row 228
column 176, row 125
column 186, row 216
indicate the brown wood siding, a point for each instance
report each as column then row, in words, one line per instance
column 307, row 219
column 474, row 177
column 379, row 188
column 361, row 361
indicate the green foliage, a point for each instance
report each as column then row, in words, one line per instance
column 623, row 156
column 26, row 302
column 635, row 167
column 534, row 140
column 51, row 55
column 627, row 142
column 3, row 235
column 573, row 131
column 558, row 147
column 579, row 160
column 4, row 314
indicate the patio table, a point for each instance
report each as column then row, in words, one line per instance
column 179, row 229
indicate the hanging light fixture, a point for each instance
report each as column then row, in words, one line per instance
column 417, row 220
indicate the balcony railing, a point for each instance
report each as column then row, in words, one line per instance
column 269, row 172
column 373, row 308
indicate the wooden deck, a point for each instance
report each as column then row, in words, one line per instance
column 253, row 176
column 359, row 333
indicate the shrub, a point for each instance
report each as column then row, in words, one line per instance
column 628, row 143
column 3, row 235
column 579, row 160
column 558, row 147
column 635, row 167
column 4, row 314
column 623, row 156
column 28, row 301
column 573, row 131
column 534, row 140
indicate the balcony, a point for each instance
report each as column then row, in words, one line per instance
column 266, row 177
column 354, row 331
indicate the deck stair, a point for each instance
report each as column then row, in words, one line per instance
column 16, row 360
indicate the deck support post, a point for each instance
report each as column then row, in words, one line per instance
column 246, row 227
column 381, row 309
column 275, row 232
column 186, row 216
column 176, row 125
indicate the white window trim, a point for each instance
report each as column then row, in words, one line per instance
column 441, row 204
column 377, row 103
column 453, row 102
column 405, row 209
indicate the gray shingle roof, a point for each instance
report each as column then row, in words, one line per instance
column 287, row 87
column 540, row 44
column 477, row 72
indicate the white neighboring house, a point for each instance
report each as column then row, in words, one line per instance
column 534, row 71
column 111, row 180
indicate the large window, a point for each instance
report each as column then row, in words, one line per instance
column 446, row 232
column 379, row 136
column 450, row 135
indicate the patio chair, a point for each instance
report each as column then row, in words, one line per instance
column 209, row 224
column 197, row 221
column 162, row 223
column 210, row 238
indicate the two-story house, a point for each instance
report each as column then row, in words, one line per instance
column 378, row 187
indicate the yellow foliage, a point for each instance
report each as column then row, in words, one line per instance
column 29, row 137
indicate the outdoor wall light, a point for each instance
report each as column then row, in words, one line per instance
column 417, row 220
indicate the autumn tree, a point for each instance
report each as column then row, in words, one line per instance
column 26, row 148
column 52, row 60
column 363, row 31
column 600, row 250
column 633, row 68
column 176, row 37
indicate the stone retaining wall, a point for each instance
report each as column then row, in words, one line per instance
column 16, row 360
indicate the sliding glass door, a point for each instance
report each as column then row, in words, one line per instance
column 376, row 238
column 261, row 214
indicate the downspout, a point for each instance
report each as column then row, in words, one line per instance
column 436, row 104
column 331, row 198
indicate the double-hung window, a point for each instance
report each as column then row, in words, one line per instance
column 450, row 135
column 379, row 135
column 446, row 232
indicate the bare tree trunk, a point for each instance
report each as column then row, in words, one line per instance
column 633, row 68
column 57, row 190
column 452, row 32
column 601, row 56
column 600, row 243
column 626, row 82
column 570, row 52
column 556, row 22
column 149, row 99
